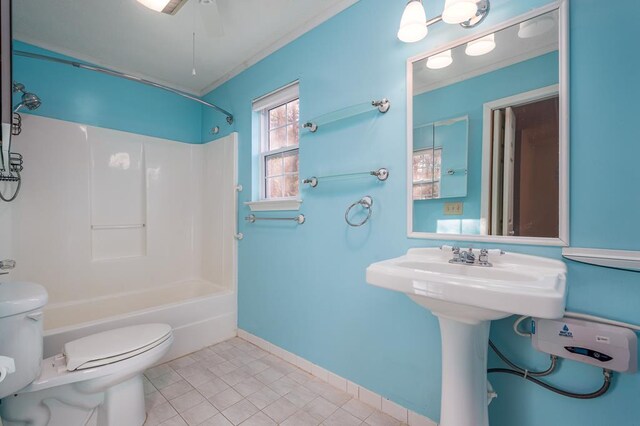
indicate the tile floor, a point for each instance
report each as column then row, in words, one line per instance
column 237, row 383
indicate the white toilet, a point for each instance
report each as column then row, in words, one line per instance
column 97, row 377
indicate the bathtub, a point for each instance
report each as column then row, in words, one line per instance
column 200, row 312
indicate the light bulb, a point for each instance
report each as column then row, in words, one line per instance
column 456, row 11
column 440, row 60
column 413, row 25
column 536, row 26
column 481, row 46
column 157, row 5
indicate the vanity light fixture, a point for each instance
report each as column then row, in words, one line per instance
column 169, row 7
column 536, row 26
column 414, row 25
column 440, row 60
column 481, row 46
column 457, row 11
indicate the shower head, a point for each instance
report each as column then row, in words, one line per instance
column 29, row 100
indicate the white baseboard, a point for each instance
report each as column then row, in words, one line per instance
column 365, row 395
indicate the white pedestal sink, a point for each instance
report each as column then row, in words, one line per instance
column 465, row 298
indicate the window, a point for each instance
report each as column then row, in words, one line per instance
column 279, row 142
column 427, row 169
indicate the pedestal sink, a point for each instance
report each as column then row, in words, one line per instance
column 465, row 298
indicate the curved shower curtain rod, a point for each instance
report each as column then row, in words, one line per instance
column 125, row 76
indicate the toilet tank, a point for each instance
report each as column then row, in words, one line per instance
column 21, row 306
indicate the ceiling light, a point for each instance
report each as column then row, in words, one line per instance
column 413, row 25
column 165, row 6
column 481, row 46
column 440, row 60
column 536, row 26
column 457, row 11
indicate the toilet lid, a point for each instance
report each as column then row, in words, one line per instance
column 114, row 345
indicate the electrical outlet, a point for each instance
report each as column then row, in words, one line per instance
column 453, row 208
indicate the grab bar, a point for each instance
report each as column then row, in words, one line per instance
column 237, row 235
column 252, row 218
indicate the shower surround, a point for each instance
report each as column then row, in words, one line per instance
column 122, row 228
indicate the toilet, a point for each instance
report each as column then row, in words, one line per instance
column 96, row 379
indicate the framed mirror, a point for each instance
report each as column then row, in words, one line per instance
column 487, row 126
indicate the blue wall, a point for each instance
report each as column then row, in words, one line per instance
column 303, row 287
column 445, row 103
column 101, row 100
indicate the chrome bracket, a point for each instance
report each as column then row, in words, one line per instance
column 382, row 174
column 313, row 127
column 383, row 105
column 483, row 10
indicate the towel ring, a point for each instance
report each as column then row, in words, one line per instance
column 366, row 202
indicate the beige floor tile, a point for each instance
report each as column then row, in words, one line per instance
column 263, row 397
column 240, row 412
column 165, row 380
column 301, row 418
column 341, row 418
column 186, row 401
column 378, row 418
column 248, row 386
column 176, row 389
column 358, row 409
column 157, row 371
column 255, row 367
column 160, row 413
column 181, row 362
column 225, row 399
column 301, row 396
column 222, row 368
column 269, row 375
column 259, row 419
column 212, row 387
column 174, row 421
column 235, row 377
column 198, row 414
column 217, row 420
column 153, row 399
column 148, row 386
column 320, row 408
column 283, row 385
column 280, row 410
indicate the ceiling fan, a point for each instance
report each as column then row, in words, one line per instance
column 208, row 11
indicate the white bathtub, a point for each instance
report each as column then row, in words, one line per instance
column 201, row 314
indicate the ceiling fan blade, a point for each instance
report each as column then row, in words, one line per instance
column 211, row 18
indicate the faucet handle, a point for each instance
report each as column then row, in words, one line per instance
column 483, row 259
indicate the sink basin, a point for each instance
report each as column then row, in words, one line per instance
column 515, row 284
column 465, row 298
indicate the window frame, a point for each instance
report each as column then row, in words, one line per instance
column 415, row 182
column 264, row 147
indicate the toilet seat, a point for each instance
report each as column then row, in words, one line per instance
column 55, row 371
column 114, row 345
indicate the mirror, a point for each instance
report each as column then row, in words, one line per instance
column 488, row 147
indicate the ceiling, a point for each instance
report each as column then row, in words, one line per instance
column 510, row 49
column 231, row 35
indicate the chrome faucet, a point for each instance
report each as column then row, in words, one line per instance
column 468, row 257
